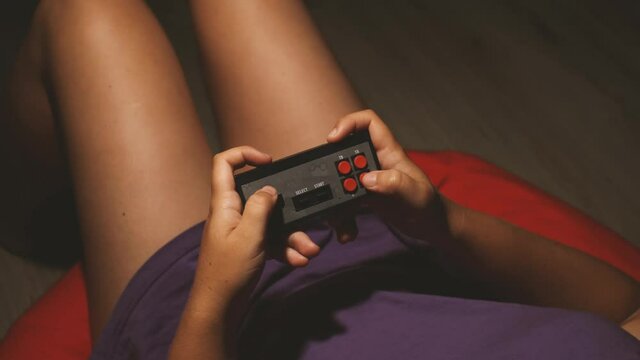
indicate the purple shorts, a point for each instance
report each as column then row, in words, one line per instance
column 374, row 298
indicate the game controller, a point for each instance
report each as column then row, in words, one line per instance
column 313, row 182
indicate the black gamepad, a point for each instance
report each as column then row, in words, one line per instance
column 315, row 181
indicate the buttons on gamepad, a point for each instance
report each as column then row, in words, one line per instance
column 344, row 167
column 313, row 181
column 349, row 185
column 360, row 161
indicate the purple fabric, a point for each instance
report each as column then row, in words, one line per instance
column 374, row 298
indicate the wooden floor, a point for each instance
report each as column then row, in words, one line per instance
column 549, row 90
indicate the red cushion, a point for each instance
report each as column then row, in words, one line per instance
column 476, row 184
column 57, row 326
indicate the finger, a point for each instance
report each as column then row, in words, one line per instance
column 224, row 163
column 302, row 243
column 346, row 230
column 255, row 217
column 294, row 258
column 344, row 222
column 396, row 183
column 381, row 136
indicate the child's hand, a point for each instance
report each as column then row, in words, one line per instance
column 232, row 252
column 405, row 192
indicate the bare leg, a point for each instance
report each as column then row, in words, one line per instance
column 137, row 155
column 35, row 174
column 274, row 83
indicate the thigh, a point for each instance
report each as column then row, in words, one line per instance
column 137, row 155
column 274, row 83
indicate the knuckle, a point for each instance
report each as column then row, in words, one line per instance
column 370, row 113
column 292, row 240
column 345, row 119
column 393, row 179
column 245, row 150
column 217, row 158
column 260, row 199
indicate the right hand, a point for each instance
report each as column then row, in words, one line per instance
column 404, row 193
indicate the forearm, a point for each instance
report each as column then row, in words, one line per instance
column 520, row 266
column 205, row 325
column 215, row 306
column 198, row 338
column 203, row 330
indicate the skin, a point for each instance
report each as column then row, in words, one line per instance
column 517, row 265
column 99, row 80
column 98, row 103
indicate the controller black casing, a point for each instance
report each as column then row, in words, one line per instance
column 308, row 183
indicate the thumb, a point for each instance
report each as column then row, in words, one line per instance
column 397, row 184
column 255, row 216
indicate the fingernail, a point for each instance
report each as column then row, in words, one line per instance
column 343, row 238
column 333, row 132
column 270, row 190
column 369, row 179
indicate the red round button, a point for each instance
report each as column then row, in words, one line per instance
column 349, row 184
column 360, row 161
column 344, row 167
